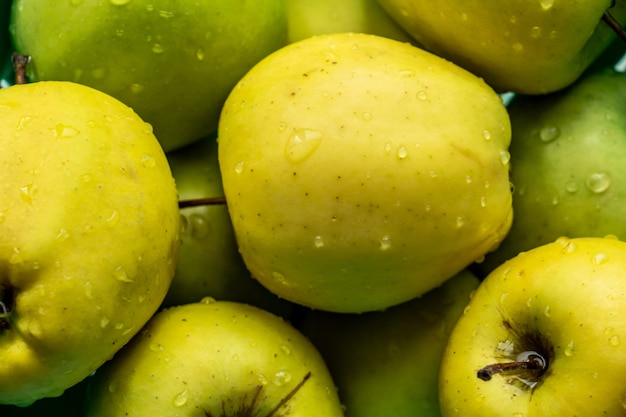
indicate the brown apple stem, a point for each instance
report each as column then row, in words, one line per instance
column 19, row 66
column 208, row 201
column 289, row 395
column 529, row 360
column 615, row 25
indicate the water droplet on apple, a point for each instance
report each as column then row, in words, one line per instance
column 569, row 349
column 318, row 241
column 549, row 133
column 367, row 116
column 62, row 236
column 235, row 357
column 239, row 167
column 181, row 398
column 301, row 144
column 535, row 32
column 282, row 377
column 614, row 340
column 200, row 55
column 119, row 2
column 422, row 95
column 121, row 275
column 285, row 350
column 518, row 47
column 136, row 88
column 62, row 131
column 157, row 48
column 104, row 322
column 460, row 222
column 505, row 157
column 113, row 219
column 547, row 312
column 598, row 182
column 402, row 153
column 27, row 192
column 571, row 187
column 114, row 386
column 24, row 120
column 546, row 4
column 385, row 242
column 483, row 201
column 199, row 226
column 156, row 347
column 599, row 258
column 166, row 14
column 150, row 7
column 148, row 161
column 208, row 300
column 487, row 134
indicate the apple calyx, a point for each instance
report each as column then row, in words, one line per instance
column 527, row 360
column 207, row 201
column 248, row 410
column 7, row 301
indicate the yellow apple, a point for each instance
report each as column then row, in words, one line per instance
column 89, row 227
column 361, row 172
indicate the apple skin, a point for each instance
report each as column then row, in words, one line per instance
column 215, row 358
column 526, row 47
column 89, row 234
column 308, row 18
column 209, row 263
column 368, row 353
column 172, row 61
column 565, row 299
column 5, row 43
column 361, row 172
column 567, row 165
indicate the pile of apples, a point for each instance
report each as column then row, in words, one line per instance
column 354, row 208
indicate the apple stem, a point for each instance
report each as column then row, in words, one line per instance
column 615, row 25
column 290, row 395
column 19, row 66
column 529, row 360
column 208, row 201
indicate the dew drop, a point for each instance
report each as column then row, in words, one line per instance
column 136, row 88
column 569, row 349
column 598, row 182
column 385, row 242
column 114, row 386
column 483, row 201
column 104, row 322
column 535, row 32
column 148, row 161
column 239, row 167
column 518, row 47
column 235, row 357
column 599, row 258
column 27, row 192
column 156, row 347
column 571, row 187
column 282, row 377
column 614, row 341
column 367, row 116
column 546, row 4
column 547, row 312
column 468, row 179
column 157, row 48
column 282, row 126
column 181, row 398
column 318, row 242
column 285, row 350
column 24, row 120
column 166, row 14
column 119, row 2
column 505, row 157
column 200, row 55
column 281, row 279
column 460, row 222
column 61, row 131
column 422, row 95
column 121, row 275
column 402, row 152
column 487, row 134
column 199, row 226
column 301, row 144
column 62, row 236
column 113, row 219
column 208, row 300
column 549, row 133
column 119, row 33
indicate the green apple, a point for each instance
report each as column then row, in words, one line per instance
column 543, row 335
column 306, row 18
column 89, row 227
column 529, row 47
column 5, row 44
column 567, row 165
column 215, row 358
column 172, row 61
column 209, row 263
column 361, row 172
column 387, row 363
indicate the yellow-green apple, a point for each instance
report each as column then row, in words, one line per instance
column 361, row 172
column 567, row 165
column 543, row 335
column 209, row 263
column 215, row 358
column 89, row 232
column 306, row 18
column 529, row 47
column 5, row 44
column 387, row 363
column 172, row 61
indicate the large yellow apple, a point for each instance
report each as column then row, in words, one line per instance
column 361, row 172
column 89, row 227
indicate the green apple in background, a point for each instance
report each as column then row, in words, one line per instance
column 172, row 61
column 307, row 18
column 567, row 165
column 209, row 263
column 89, row 227
column 387, row 363
column 529, row 47
column 215, row 358
column 543, row 335
column 361, row 172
